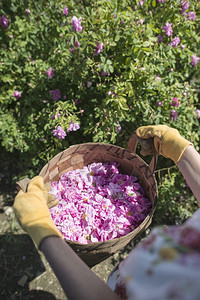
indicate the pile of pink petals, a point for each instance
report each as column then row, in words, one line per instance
column 97, row 203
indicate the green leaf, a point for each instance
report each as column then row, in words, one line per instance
column 117, row 38
column 109, row 62
column 122, row 103
column 154, row 3
column 105, row 68
column 111, row 70
column 130, row 9
column 146, row 44
column 113, row 44
column 109, row 3
column 147, row 49
column 113, row 137
column 93, row 44
column 148, row 32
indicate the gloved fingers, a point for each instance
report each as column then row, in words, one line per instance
column 158, row 145
column 36, row 184
column 40, row 190
column 145, row 132
column 47, row 186
column 51, row 201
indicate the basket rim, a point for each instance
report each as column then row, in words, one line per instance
column 142, row 225
column 93, row 144
column 146, row 221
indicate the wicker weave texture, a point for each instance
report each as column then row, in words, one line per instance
column 81, row 155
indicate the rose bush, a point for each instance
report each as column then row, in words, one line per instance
column 108, row 66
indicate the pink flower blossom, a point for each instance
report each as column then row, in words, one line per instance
column 97, row 203
column 197, row 111
column 175, row 102
column 76, row 44
column 4, row 22
column 98, row 49
column 191, row 15
column 50, row 73
column 195, row 60
column 76, row 24
column 185, row 6
column 28, row 11
column 104, row 73
column 65, row 11
column 73, row 126
column 55, row 94
column 119, row 128
column 59, row 132
column 159, row 103
column 160, row 0
column 141, row 2
column 109, row 93
column 175, row 41
column 173, row 115
column 158, row 78
column 17, row 94
column 160, row 39
column 168, row 29
column 182, row 47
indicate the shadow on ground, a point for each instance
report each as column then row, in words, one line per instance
column 20, row 263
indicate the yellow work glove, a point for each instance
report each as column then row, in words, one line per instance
column 167, row 141
column 32, row 212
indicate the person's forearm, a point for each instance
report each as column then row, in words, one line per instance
column 189, row 165
column 76, row 278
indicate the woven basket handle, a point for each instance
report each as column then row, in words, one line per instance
column 132, row 145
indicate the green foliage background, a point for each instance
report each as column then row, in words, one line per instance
column 134, row 61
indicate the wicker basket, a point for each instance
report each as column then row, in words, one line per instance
column 75, row 157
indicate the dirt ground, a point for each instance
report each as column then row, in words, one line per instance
column 24, row 272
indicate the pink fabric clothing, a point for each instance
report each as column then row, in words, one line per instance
column 166, row 265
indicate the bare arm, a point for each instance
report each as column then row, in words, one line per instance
column 189, row 165
column 76, row 278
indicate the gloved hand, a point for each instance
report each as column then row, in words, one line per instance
column 32, row 211
column 167, row 141
column 23, row 185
